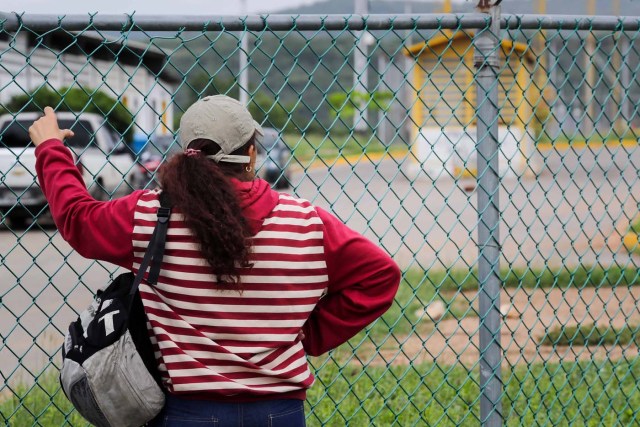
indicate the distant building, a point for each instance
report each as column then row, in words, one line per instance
column 444, row 107
column 133, row 72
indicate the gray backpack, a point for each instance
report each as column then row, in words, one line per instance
column 109, row 372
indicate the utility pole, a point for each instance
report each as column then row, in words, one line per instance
column 542, row 53
column 589, row 92
column 542, row 77
column 409, row 91
column 446, row 8
column 360, row 74
column 621, row 81
column 408, row 10
column 243, row 72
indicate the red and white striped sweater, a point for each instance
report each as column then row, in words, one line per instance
column 309, row 272
column 236, row 342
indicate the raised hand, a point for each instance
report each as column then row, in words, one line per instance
column 46, row 127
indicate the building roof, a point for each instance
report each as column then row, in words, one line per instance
column 98, row 46
column 429, row 46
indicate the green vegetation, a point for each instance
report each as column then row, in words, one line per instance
column 346, row 104
column 296, row 72
column 78, row 100
column 270, row 113
column 416, row 291
column 264, row 108
column 292, row 70
column 443, row 395
column 580, row 277
column 331, row 147
column 419, row 394
column 418, row 288
column 596, row 138
column 590, row 334
column 42, row 404
column 377, row 395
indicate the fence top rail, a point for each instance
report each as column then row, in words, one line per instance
column 129, row 22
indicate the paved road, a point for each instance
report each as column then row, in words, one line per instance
column 565, row 216
column 551, row 220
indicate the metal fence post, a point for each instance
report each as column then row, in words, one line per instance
column 486, row 60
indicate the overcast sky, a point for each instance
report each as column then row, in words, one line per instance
column 182, row 7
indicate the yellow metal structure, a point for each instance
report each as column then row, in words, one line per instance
column 445, row 88
column 445, row 97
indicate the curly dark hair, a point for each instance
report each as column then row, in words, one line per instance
column 201, row 189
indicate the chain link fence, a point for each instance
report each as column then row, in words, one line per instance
column 495, row 159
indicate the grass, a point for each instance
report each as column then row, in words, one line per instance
column 459, row 279
column 419, row 288
column 590, row 334
column 593, row 138
column 329, row 148
column 552, row 394
column 431, row 391
column 42, row 404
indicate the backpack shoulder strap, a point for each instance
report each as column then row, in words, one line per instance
column 165, row 200
column 164, row 213
column 155, row 250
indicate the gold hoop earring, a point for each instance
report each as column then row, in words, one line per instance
column 248, row 168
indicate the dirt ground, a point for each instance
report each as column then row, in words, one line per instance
column 456, row 340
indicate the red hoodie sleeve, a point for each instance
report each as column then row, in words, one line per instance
column 363, row 280
column 97, row 230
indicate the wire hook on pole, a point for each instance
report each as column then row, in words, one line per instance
column 485, row 5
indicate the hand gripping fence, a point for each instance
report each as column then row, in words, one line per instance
column 494, row 156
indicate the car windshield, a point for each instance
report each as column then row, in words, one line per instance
column 82, row 132
column 161, row 146
column 112, row 138
column 269, row 141
column 15, row 134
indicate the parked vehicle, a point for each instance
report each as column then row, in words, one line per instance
column 153, row 154
column 271, row 163
column 106, row 163
column 273, row 158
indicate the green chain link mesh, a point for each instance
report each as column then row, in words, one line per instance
column 381, row 127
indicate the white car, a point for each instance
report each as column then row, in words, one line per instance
column 106, row 163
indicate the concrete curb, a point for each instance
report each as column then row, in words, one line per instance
column 563, row 146
column 353, row 159
column 402, row 153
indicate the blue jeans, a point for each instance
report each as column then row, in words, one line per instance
column 204, row 413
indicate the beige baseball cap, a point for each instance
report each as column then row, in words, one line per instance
column 223, row 120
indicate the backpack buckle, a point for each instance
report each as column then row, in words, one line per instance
column 163, row 215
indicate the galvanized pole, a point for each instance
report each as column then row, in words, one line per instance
column 589, row 84
column 486, row 58
column 409, row 90
column 625, row 80
column 360, row 68
column 543, row 54
column 243, row 69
